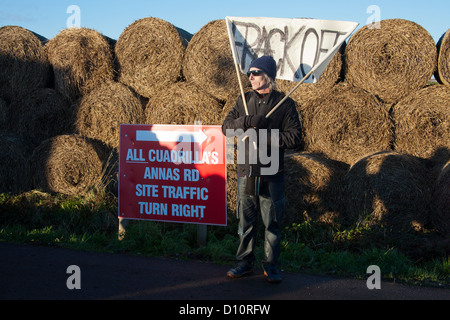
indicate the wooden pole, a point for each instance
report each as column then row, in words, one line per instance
column 238, row 72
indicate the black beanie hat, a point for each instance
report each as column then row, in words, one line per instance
column 266, row 64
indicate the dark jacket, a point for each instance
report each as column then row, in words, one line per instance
column 285, row 119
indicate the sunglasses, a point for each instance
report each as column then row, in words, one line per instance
column 255, row 73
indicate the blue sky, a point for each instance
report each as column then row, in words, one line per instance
column 49, row 17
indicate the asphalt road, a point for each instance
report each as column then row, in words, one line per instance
column 40, row 273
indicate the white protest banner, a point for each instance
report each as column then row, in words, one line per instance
column 299, row 46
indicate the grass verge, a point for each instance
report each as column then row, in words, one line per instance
column 419, row 258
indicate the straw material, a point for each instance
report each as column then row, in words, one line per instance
column 68, row 164
column 209, row 63
column 14, row 165
column 392, row 61
column 40, row 114
column 347, row 124
column 81, row 59
column 101, row 112
column 313, row 188
column 23, row 62
column 422, row 121
column 150, row 54
column 440, row 216
column 442, row 73
column 388, row 189
column 183, row 103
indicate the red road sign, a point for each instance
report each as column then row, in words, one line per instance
column 174, row 173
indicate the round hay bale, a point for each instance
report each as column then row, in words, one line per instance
column 150, row 53
column 23, row 62
column 41, row 114
column 388, row 189
column 81, row 59
column 347, row 124
column 422, row 121
column 442, row 73
column 208, row 62
column 101, row 112
column 440, row 216
column 391, row 61
column 68, row 164
column 14, row 164
column 183, row 103
column 313, row 188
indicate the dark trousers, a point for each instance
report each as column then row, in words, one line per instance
column 271, row 205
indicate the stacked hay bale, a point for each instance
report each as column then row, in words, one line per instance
column 440, row 215
column 23, row 62
column 313, row 188
column 100, row 112
column 14, row 165
column 187, row 80
column 39, row 115
column 83, row 63
column 150, row 53
column 422, row 121
column 81, row 59
column 68, row 164
column 183, row 103
column 388, row 189
column 347, row 124
column 391, row 61
column 208, row 62
column 442, row 73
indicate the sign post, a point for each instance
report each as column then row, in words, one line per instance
column 172, row 173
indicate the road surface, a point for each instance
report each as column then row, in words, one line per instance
column 40, row 273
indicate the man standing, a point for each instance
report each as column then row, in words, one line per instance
column 259, row 192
